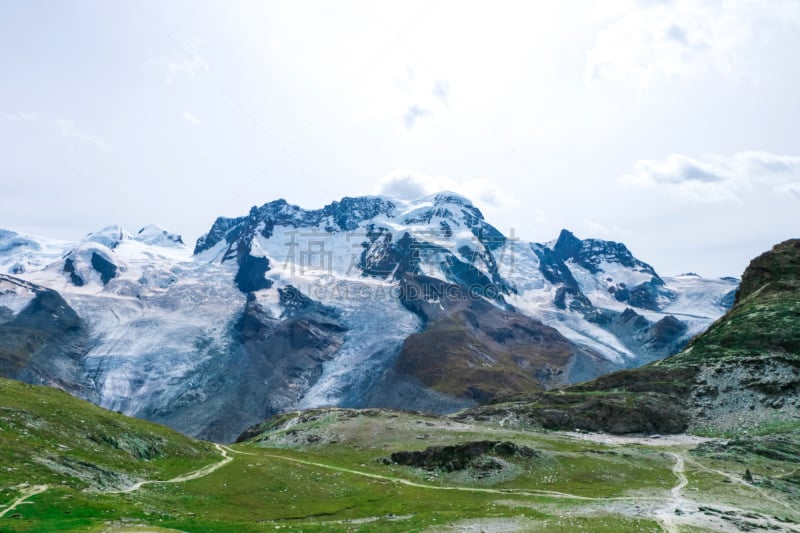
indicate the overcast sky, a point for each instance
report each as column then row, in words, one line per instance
column 671, row 126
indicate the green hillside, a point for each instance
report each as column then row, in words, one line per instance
column 71, row 466
column 765, row 320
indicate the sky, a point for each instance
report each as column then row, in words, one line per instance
column 671, row 126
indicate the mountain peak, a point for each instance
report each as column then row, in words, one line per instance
column 158, row 236
column 450, row 197
column 592, row 253
column 567, row 245
column 10, row 240
column 109, row 236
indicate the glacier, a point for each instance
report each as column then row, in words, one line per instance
column 207, row 341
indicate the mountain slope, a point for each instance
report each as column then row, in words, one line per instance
column 744, row 372
column 288, row 308
column 443, row 239
column 60, row 440
column 44, row 341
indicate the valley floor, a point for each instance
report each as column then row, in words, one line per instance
column 326, row 471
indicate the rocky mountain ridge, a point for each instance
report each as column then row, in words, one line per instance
column 366, row 302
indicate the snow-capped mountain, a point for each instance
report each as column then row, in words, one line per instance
column 367, row 301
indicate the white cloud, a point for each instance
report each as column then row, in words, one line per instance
column 68, row 129
column 441, row 91
column 413, row 113
column 422, row 95
column 191, row 119
column 410, row 185
column 598, row 229
column 644, row 42
column 789, row 188
column 191, row 67
column 18, row 115
column 405, row 83
column 715, row 178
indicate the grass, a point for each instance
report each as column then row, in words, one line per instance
column 334, row 481
column 777, row 427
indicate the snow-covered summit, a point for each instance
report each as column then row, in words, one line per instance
column 158, row 236
column 24, row 253
column 109, row 236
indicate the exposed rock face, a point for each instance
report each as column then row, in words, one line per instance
column 285, row 354
column 94, row 257
column 104, row 267
column 754, row 391
column 44, row 342
column 611, row 413
column 592, row 253
column 655, row 340
column 474, row 349
column 250, row 276
column 622, row 402
column 74, row 277
column 595, row 256
column 344, row 215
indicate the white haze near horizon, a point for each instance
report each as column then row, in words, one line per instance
column 668, row 125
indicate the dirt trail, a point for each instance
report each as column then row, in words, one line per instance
column 738, row 480
column 685, row 511
column 27, row 492
column 195, row 474
column 667, row 515
column 672, row 512
column 202, row 472
column 505, row 492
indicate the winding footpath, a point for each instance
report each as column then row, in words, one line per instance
column 27, row 492
column 458, row 488
column 667, row 516
column 195, row 474
column 715, row 516
column 671, row 511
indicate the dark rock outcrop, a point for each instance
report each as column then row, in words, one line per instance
column 250, row 276
column 74, row 277
column 104, row 267
column 285, row 354
column 590, row 254
column 461, row 456
column 44, row 342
